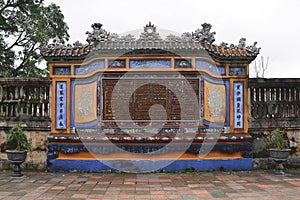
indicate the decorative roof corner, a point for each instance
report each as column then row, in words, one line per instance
column 242, row 46
column 253, row 48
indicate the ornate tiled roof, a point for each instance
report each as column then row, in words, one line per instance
column 202, row 40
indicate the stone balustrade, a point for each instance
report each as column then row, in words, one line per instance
column 26, row 101
column 274, row 103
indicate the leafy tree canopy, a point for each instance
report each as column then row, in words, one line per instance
column 25, row 27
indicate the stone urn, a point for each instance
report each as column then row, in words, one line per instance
column 279, row 156
column 17, row 154
column 16, row 158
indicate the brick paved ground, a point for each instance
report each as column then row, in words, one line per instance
column 216, row 185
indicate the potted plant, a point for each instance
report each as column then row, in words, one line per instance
column 17, row 155
column 278, row 144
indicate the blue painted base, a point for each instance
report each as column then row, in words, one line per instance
column 143, row 165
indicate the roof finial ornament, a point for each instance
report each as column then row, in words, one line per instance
column 204, row 35
column 150, row 25
column 150, row 33
column 97, row 35
column 242, row 43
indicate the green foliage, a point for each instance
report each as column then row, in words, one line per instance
column 278, row 139
column 25, row 27
column 16, row 134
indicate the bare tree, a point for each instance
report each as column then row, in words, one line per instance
column 260, row 67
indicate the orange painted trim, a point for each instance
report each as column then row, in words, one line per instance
column 246, row 105
column 173, row 63
column 53, row 100
column 127, row 63
column 127, row 58
column 134, row 156
column 68, row 106
column 72, row 69
column 193, row 63
column 51, row 66
column 50, row 70
column 231, row 106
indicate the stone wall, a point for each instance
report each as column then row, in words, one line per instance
column 274, row 103
column 26, row 102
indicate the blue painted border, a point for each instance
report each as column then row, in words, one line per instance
column 176, row 166
column 73, row 83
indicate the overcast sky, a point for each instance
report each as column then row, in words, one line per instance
column 274, row 24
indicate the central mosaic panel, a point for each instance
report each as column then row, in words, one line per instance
column 152, row 92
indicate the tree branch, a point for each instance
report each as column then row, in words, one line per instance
column 15, row 43
column 25, row 60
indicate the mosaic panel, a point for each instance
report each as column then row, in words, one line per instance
column 183, row 63
column 150, row 93
column 88, row 68
column 61, row 70
column 117, row 63
column 237, row 71
column 85, row 103
column 208, row 66
column 150, row 63
column 214, row 103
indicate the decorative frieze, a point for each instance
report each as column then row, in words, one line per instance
column 117, row 64
column 210, row 67
column 237, row 71
column 88, row 68
column 150, row 63
column 62, row 70
column 183, row 63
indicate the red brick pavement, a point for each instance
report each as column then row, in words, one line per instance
column 156, row 186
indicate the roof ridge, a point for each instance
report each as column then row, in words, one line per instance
column 100, row 39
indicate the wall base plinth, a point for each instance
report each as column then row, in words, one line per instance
column 137, row 166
